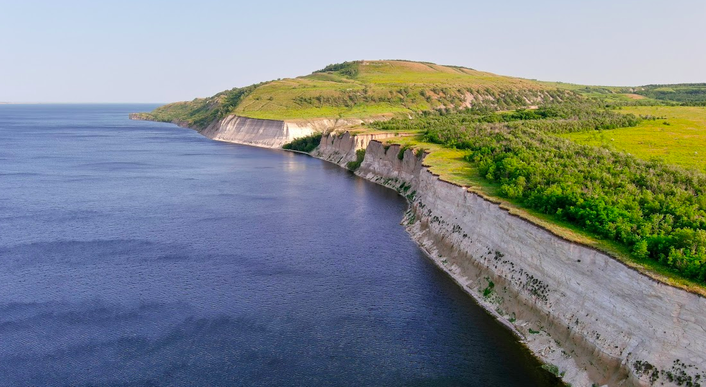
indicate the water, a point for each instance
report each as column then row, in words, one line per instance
column 136, row 253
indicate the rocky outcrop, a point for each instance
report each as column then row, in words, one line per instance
column 340, row 148
column 590, row 318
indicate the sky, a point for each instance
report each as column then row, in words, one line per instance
column 163, row 51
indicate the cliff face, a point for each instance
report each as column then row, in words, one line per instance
column 595, row 319
column 262, row 133
column 249, row 131
column 340, row 148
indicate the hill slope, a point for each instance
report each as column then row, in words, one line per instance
column 365, row 89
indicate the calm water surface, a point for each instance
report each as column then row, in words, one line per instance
column 136, row 253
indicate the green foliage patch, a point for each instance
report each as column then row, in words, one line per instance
column 687, row 94
column 359, row 157
column 681, row 141
column 304, row 144
column 568, row 117
column 349, row 69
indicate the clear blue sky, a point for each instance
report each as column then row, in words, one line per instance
column 163, row 51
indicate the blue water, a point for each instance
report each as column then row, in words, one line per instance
column 137, row 253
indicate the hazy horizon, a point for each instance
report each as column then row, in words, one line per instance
column 158, row 52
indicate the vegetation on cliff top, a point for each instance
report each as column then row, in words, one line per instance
column 304, row 144
column 671, row 134
column 656, row 211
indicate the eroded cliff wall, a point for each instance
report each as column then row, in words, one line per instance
column 276, row 133
column 250, row 131
column 340, row 148
column 597, row 320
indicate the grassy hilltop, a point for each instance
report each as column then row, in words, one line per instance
column 618, row 168
column 365, row 89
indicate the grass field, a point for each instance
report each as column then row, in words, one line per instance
column 678, row 137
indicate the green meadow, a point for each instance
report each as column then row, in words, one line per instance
column 674, row 134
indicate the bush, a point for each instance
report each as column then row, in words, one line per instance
column 400, row 154
column 304, row 144
column 359, row 157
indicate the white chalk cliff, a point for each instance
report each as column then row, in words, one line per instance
column 269, row 133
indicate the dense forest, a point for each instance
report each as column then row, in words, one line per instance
column 657, row 211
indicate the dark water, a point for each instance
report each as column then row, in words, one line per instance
column 135, row 253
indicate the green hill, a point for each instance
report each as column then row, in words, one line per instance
column 377, row 89
column 364, row 89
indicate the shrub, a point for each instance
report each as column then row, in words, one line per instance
column 400, row 154
column 304, row 144
column 359, row 156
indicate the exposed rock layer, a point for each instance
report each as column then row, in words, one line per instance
column 249, row 131
column 340, row 148
column 262, row 133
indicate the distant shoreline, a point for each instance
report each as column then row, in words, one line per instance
column 81, row 103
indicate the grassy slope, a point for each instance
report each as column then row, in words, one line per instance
column 364, row 89
column 682, row 142
column 397, row 84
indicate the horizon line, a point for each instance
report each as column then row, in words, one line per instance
column 83, row 103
